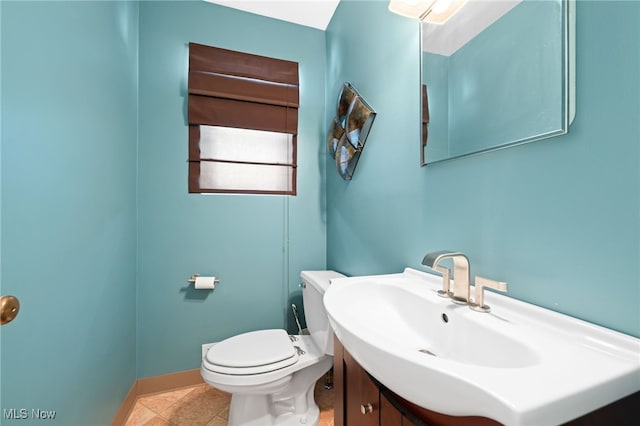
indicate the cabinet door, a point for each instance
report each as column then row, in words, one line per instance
column 389, row 415
column 362, row 397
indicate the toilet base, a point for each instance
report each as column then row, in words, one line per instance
column 260, row 410
column 294, row 405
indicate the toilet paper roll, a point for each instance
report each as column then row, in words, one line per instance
column 205, row 283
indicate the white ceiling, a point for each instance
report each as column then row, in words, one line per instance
column 475, row 16
column 311, row 13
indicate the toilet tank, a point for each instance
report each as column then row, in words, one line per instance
column 314, row 284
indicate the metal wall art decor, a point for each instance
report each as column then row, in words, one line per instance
column 349, row 130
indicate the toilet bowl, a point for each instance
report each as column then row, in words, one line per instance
column 270, row 374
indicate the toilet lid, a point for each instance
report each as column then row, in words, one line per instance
column 252, row 353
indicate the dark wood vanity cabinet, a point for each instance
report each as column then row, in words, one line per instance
column 360, row 400
column 362, row 397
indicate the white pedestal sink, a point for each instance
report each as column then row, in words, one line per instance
column 519, row 364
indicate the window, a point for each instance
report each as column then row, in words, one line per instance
column 243, row 122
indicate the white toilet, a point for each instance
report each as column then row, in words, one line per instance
column 270, row 374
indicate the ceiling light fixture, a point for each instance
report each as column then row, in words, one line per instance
column 432, row 11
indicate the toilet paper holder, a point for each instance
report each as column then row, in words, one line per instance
column 192, row 280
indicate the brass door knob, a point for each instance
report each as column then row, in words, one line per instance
column 9, row 308
column 366, row 408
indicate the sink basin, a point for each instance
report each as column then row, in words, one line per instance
column 519, row 364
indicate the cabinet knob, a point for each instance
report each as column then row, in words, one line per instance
column 366, row 408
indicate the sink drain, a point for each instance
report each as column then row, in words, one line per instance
column 427, row 351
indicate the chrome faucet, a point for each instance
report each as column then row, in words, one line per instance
column 461, row 280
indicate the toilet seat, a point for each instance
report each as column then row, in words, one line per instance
column 251, row 353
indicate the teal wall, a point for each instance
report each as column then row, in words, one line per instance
column 256, row 245
column 557, row 219
column 99, row 234
column 69, row 130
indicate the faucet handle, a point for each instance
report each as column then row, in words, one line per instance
column 446, row 281
column 481, row 284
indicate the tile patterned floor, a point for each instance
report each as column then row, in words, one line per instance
column 202, row 405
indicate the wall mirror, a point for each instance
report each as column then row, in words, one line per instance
column 495, row 75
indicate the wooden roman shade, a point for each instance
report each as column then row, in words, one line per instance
column 243, row 122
